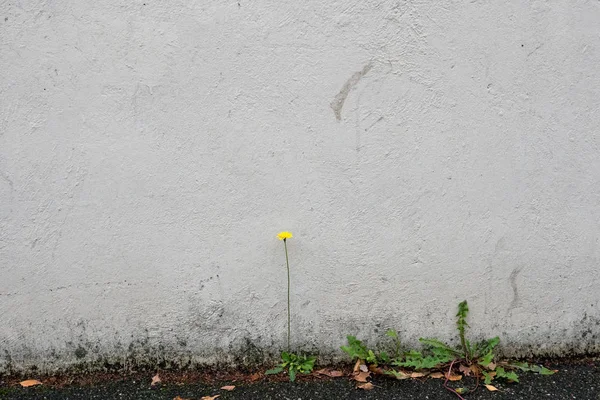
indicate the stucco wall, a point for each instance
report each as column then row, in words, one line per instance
column 422, row 153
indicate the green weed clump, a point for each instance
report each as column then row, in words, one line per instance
column 441, row 360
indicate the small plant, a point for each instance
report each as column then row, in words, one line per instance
column 358, row 351
column 293, row 363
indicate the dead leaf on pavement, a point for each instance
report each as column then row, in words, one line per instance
column 155, row 380
column 474, row 369
column 454, row 377
column 254, row 377
column 179, row 398
column 375, row 369
column 30, row 382
column 464, row 369
column 436, row 375
column 357, row 365
column 366, row 386
column 229, row 388
column 330, row 373
column 362, row 376
column 401, row 375
column 363, row 368
column 415, row 375
column 210, row 397
column 491, row 366
column 491, row 388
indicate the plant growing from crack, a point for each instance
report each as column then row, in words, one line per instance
column 294, row 363
column 440, row 360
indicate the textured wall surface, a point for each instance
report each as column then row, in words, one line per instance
column 422, row 153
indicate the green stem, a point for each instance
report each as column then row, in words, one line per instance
column 287, row 263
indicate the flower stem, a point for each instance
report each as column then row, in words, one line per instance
column 287, row 263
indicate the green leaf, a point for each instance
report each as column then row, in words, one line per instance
column 392, row 333
column 488, row 377
column 285, row 356
column 509, row 375
column 487, row 359
column 545, row 371
column 383, row 356
column 274, row 371
column 292, row 373
column 355, row 348
column 486, row 346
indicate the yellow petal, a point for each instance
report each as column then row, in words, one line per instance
column 284, row 235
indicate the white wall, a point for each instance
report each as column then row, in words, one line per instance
column 422, row 153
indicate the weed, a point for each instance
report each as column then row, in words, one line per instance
column 477, row 360
column 294, row 364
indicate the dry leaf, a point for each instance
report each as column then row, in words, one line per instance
column 179, row 398
column 454, row 377
column 332, row 374
column 357, row 365
column 465, row 370
column 491, row 366
column 228, row 388
column 474, row 369
column 417, row 375
column 155, row 380
column 362, row 376
column 436, row 375
column 30, row 382
column 401, row 375
column 363, row 368
column 375, row 369
column 366, row 386
column 254, row 377
column 491, row 388
column 210, row 397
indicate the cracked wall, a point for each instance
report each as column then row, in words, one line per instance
column 422, row 153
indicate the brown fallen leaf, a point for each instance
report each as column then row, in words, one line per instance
column 401, row 375
column 30, row 382
column 357, row 365
column 327, row 372
column 229, row 388
column 474, row 369
column 363, row 368
column 465, row 370
column 362, row 376
column 454, row 377
column 210, row 397
column 180, row 398
column 375, row 369
column 155, row 380
column 436, row 375
column 491, row 366
column 366, row 386
column 491, row 388
column 255, row 376
column 415, row 375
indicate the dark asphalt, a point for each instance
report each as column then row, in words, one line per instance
column 571, row 382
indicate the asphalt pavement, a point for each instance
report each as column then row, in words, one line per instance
column 572, row 381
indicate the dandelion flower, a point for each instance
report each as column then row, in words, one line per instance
column 284, row 235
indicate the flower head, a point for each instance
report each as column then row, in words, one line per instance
column 284, row 235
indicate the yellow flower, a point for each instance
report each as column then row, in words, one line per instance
column 284, row 235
